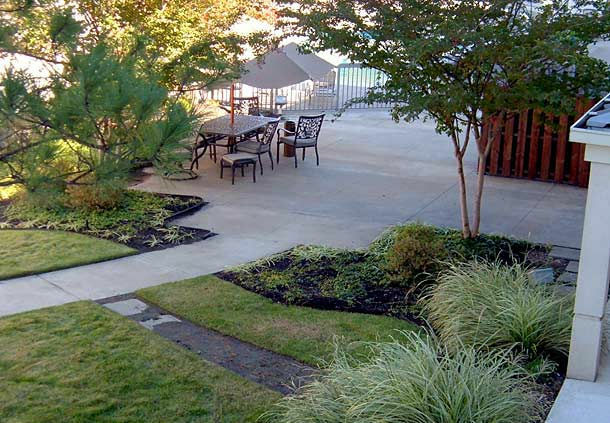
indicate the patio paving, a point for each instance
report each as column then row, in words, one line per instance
column 373, row 173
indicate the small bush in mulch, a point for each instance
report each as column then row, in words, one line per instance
column 387, row 278
column 139, row 219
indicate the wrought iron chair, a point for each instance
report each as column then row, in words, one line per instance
column 247, row 106
column 205, row 141
column 244, row 106
column 305, row 136
column 262, row 145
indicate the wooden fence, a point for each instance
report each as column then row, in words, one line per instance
column 535, row 145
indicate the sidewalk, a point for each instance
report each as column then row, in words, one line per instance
column 584, row 402
column 125, row 275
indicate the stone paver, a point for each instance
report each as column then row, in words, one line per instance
column 565, row 253
column 127, row 307
column 162, row 319
column 572, row 267
column 567, row 277
column 373, row 173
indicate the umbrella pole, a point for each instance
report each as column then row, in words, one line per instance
column 232, row 100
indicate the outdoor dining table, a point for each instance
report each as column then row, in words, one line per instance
column 243, row 124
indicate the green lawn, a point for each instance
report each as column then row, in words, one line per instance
column 26, row 252
column 83, row 363
column 303, row 333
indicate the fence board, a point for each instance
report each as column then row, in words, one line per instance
column 534, row 143
column 521, row 143
column 508, row 145
column 545, row 160
column 562, row 140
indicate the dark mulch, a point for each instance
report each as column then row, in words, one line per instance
column 178, row 211
column 550, row 387
column 389, row 300
column 278, row 372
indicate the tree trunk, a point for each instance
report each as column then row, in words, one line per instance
column 478, row 198
column 484, row 147
column 459, row 157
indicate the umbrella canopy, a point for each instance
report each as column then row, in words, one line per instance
column 285, row 66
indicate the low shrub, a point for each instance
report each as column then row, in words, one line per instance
column 415, row 380
column 491, row 305
column 94, row 197
column 417, row 250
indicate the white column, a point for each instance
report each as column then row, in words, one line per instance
column 594, row 270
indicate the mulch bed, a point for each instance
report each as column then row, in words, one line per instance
column 139, row 241
column 178, row 211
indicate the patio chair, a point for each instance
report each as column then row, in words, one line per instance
column 247, row 106
column 205, row 141
column 262, row 145
column 305, row 136
column 244, row 106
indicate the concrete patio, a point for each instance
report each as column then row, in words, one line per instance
column 373, row 173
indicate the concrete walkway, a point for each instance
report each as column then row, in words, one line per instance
column 584, row 402
column 373, row 173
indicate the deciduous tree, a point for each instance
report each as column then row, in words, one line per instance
column 464, row 63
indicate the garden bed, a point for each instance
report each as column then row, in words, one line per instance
column 360, row 280
column 141, row 220
column 390, row 277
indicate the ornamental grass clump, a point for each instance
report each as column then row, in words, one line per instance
column 490, row 305
column 413, row 379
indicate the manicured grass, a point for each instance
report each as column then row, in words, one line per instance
column 83, row 363
column 303, row 333
column 26, row 252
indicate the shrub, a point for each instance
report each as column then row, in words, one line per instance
column 94, row 197
column 414, row 380
column 487, row 304
column 417, row 249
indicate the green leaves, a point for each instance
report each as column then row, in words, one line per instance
column 63, row 28
column 453, row 59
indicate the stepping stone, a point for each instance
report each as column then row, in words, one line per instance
column 542, row 276
column 566, row 290
column 127, row 307
column 163, row 318
column 565, row 253
column 567, row 277
column 572, row 267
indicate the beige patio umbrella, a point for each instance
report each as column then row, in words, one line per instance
column 280, row 68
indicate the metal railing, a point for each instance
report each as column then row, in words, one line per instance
column 343, row 84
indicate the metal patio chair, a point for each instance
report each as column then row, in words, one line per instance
column 205, row 141
column 305, row 136
column 262, row 145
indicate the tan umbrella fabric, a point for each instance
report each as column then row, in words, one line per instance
column 283, row 67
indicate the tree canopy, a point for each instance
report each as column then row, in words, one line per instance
column 464, row 63
column 105, row 83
